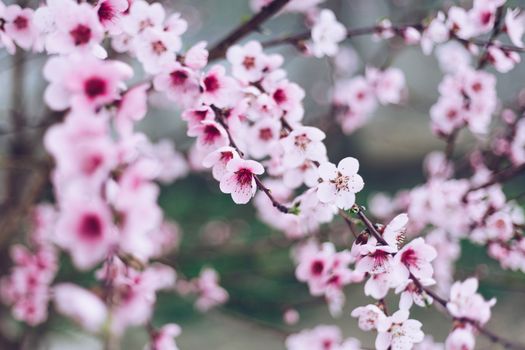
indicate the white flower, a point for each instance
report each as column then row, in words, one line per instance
column 341, row 183
column 326, row 34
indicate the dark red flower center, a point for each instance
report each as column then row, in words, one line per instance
column 81, row 34
column 249, row 62
column 178, row 77
column 106, row 12
column 317, row 268
column 279, row 96
column 265, row 134
column 244, row 177
column 211, row 133
column 21, row 22
column 91, row 226
column 92, row 163
column 409, row 257
column 94, row 87
column 211, row 83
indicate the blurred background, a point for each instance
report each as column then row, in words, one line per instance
column 255, row 269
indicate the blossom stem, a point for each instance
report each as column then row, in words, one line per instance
column 253, row 24
column 371, row 228
column 398, row 30
column 507, row 344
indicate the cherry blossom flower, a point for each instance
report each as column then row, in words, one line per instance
column 321, row 338
column 239, row 179
column 398, row 331
column 340, row 184
column 83, row 82
column 327, row 33
column 304, row 143
column 77, row 29
column 460, row 339
column 515, row 26
column 85, row 229
column 81, row 305
column 19, row 25
column 210, row 135
column 218, row 88
column 465, row 302
column 249, row 63
column 180, row 84
column 210, row 294
column 416, row 258
column 110, row 13
column 156, row 49
column 388, row 84
column 368, row 316
column 163, row 338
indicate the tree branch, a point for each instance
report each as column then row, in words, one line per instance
column 253, row 24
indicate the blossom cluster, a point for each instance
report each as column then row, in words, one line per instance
column 246, row 117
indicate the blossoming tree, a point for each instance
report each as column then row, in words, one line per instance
column 247, row 119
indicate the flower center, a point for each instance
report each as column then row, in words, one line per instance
column 244, row 177
column 21, row 22
column 211, row 133
column 106, row 12
column 211, row 83
column 341, row 182
column 265, row 134
column 81, row 34
column 409, row 257
column 158, row 47
column 302, row 141
column 95, row 87
column 279, row 96
column 317, row 268
column 178, row 77
column 91, row 226
column 249, row 62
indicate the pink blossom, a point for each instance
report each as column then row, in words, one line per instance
column 85, row 229
column 411, row 294
column 466, row 302
column 210, row 293
column 19, row 25
column 219, row 159
column 210, row 135
column 141, row 16
column 515, row 26
column 156, row 49
column 163, row 338
column 197, row 56
column 302, row 144
column 239, row 179
column 217, row 87
column 398, row 332
column 321, row 338
column 368, row 316
column 415, row 258
column 76, row 28
column 263, row 136
column 110, row 13
column 341, row 183
column 327, row 33
column 180, row 84
column 249, row 63
column 388, row 84
column 460, row 339
column 291, row 316
column 83, row 82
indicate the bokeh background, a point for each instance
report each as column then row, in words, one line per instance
column 254, row 266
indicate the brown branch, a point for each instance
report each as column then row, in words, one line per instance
column 219, row 116
column 253, row 24
column 502, row 176
column 369, row 225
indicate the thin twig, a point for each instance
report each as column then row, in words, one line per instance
column 253, row 24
